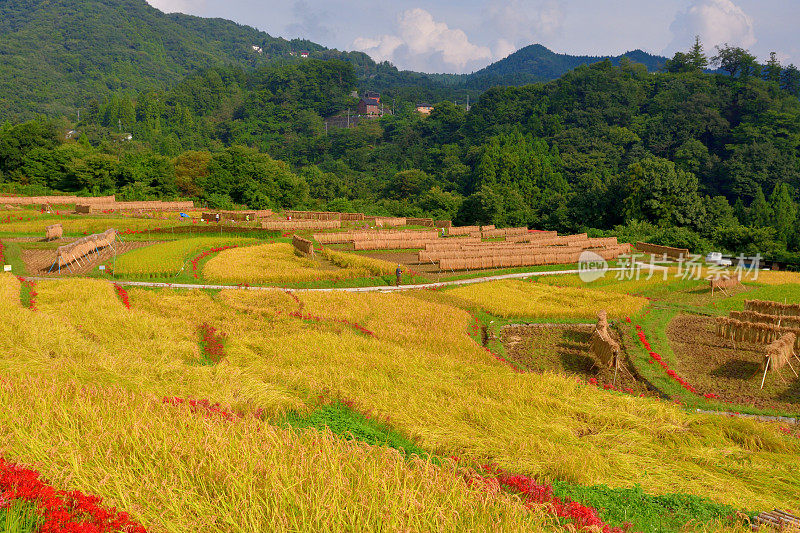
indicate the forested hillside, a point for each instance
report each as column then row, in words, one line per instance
column 58, row 54
column 536, row 63
column 684, row 157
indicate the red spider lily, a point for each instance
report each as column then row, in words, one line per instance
column 123, row 295
column 314, row 318
column 62, row 511
column 212, row 343
column 203, row 406
column 583, row 517
column 2, row 259
column 32, row 294
column 200, row 257
column 655, row 358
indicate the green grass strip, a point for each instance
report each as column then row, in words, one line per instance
column 649, row 514
column 19, row 517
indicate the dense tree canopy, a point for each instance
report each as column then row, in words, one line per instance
column 682, row 157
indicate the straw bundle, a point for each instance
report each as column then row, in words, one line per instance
column 289, row 225
column 673, row 253
column 772, row 308
column 777, row 320
column 32, row 200
column 53, row 232
column 602, row 345
column 724, row 282
column 303, row 245
column 463, row 230
column 738, row 331
column 779, row 352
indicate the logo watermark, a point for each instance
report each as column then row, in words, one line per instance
column 591, row 266
column 637, row 266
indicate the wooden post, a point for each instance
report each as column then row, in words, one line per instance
column 766, row 367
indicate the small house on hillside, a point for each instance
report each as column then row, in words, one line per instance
column 304, row 54
column 370, row 105
column 424, row 109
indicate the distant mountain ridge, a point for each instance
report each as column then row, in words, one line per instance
column 56, row 56
column 538, row 63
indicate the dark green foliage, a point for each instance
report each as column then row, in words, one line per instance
column 648, row 514
column 602, row 147
column 537, row 63
column 60, row 54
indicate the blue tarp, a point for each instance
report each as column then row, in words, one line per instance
column 184, row 215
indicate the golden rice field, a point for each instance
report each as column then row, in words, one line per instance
column 89, row 225
column 375, row 267
column 661, row 284
column 515, row 298
column 167, row 258
column 442, row 390
column 278, row 263
column 180, row 472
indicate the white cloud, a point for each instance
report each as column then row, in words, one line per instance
column 178, row 6
column 503, row 48
column 422, row 43
column 310, row 23
column 525, row 23
column 716, row 22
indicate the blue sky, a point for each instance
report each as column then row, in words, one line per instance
column 463, row 36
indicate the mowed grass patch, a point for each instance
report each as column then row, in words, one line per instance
column 179, row 471
column 278, row 263
column 421, row 372
column 521, row 299
column 787, row 293
column 167, row 258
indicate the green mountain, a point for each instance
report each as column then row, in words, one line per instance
column 537, row 63
column 58, row 54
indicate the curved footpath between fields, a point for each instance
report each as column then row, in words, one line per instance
column 376, row 288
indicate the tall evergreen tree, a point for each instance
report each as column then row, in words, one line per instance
column 696, row 57
column 760, row 210
column 784, row 211
column 772, row 70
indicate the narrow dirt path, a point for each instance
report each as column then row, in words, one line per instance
column 379, row 288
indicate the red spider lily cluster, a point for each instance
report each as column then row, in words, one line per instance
column 200, row 257
column 656, row 358
column 296, row 298
column 582, row 517
column 123, row 295
column 308, row 316
column 788, row 432
column 344, row 321
column 61, row 511
column 2, row 258
column 32, row 294
column 209, row 410
column 212, row 343
column 609, row 386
